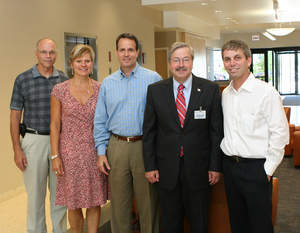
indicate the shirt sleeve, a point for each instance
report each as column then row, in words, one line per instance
column 57, row 92
column 17, row 98
column 101, row 133
column 278, row 131
column 157, row 77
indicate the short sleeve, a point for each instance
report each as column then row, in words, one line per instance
column 17, row 98
column 97, row 85
column 58, row 91
column 157, row 77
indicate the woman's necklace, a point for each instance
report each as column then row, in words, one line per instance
column 89, row 86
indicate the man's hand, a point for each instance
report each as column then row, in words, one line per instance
column 152, row 176
column 19, row 156
column 57, row 166
column 103, row 165
column 20, row 160
column 213, row 177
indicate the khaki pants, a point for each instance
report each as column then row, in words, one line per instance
column 37, row 150
column 127, row 178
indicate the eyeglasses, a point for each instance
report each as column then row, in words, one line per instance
column 183, row 60
column 45, row 53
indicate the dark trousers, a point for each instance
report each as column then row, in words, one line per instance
column 249, row 195
column 184, row 201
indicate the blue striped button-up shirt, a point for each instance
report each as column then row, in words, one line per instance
column 121, row 104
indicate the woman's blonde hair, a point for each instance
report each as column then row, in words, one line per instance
column 79, row 50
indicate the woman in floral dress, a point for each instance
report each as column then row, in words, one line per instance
column 80, row 184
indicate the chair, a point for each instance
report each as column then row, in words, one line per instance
column 274, row 199
column 222, row 88
column 135, row 217
column 218, row 217
column 296, row 147
column 288, row 150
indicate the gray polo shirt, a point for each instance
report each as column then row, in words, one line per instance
column 31, row 93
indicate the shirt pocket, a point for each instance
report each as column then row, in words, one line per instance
column 246, row 124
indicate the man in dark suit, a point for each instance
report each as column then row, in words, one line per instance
column 182, row 132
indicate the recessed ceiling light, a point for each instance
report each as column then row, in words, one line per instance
column 218, row 11
column 280, row 31
column 204, row 3
column 228, row 18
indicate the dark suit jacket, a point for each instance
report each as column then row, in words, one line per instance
column 200, row 138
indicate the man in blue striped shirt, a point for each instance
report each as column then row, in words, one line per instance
column 118, row 139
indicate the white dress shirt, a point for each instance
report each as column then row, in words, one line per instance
column 255, row 124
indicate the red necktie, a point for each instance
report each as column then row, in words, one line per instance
column 180, row 105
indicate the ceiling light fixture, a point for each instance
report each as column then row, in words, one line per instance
column 280, row 31
column 218, row 11
column 269, row 36
column 204, row 3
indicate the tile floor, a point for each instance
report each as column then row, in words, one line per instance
column 13, row 214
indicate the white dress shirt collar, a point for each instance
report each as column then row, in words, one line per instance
column 247, row 85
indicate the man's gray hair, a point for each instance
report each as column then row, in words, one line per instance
column 235, row 45
column 178, row 45
column 40, row 40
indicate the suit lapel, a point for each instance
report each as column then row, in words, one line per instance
column 194, row 102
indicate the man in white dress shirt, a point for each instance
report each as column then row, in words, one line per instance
column 255, row 133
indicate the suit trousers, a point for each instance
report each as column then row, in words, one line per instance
column 36, row 174
column 249, row 196
column 127, row 178
column 184, row 201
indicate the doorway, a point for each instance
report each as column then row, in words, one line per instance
column 279, row 67
column 161, row 62
column 71, row 39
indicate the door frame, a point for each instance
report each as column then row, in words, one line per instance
column 167, row 50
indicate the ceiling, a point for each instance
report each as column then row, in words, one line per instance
column 235, row 16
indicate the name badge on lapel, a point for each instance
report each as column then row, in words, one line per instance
column 199, row 114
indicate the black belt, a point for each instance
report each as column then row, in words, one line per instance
column 37, row 132
column 128, row 139
column 239, row 159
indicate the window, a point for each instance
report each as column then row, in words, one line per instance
column 279, row 67
column 216, row 70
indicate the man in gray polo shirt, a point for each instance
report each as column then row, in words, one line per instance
column 31, row 96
